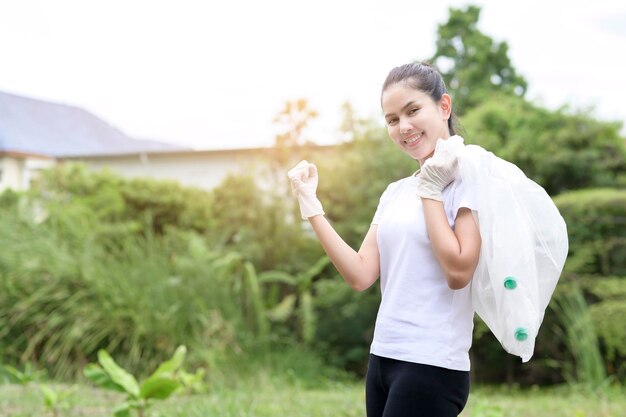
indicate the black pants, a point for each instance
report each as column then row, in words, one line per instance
column 396, row 388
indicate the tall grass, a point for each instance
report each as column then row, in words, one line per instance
column 68, row 288
column 579, row 334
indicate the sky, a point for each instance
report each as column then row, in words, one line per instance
column 214, row 74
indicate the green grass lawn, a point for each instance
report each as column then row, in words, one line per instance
column 271, row 399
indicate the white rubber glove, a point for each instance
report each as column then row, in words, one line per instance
column 304, row 179
column 439, row 170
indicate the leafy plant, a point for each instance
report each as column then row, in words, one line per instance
column 56, row 400
column 22, row 377
column 68, row 291
column 561, row 150
column 300, row 301
column 580, row 338
column 163, row 383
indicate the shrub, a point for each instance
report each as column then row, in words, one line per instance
column 67, row 292
column 596, row 223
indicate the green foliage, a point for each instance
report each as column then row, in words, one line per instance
column 9, row 198
column 255, row 301
column 65, row 294
column 473, row 65
column 596, row 221
column 346, row 323
column 22, row 377
column 558, row 149
column 261, row 396
column 485, row 408
column 236, row 201
column 297, row 303
column 281, row 364
column 126, row 203
column 254, row 221
column 604, row 287
column 57, row 400
column 160, row 385
column 607, row 295
column 608, row 318
column 608, row 298
column 87, row 267
column 580, row 337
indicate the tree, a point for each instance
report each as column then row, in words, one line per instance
column 472, row 64
column 254, row 222
column 292, row 120
column 560, row 150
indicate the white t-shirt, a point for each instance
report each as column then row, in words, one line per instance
column 420, row 319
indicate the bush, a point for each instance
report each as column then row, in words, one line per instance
column 345, row 323
column 596, row 223
column 560, row 150
column 137, row 267
column 68, row 290
column 113, row 199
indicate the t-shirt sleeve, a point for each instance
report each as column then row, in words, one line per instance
column 458, row 196
column 382, row 204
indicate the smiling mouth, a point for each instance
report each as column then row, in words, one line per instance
column 412, row 139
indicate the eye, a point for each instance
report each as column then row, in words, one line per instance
column 392, row 122
column 413, row 110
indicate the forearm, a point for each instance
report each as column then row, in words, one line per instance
column 359, row 270
column 457, row 260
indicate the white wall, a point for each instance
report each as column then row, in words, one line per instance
column 19, row 171
column 203, row 169
column 11, row 173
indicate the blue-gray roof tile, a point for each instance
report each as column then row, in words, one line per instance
column 33, row 126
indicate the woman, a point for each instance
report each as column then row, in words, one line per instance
column 424, row 245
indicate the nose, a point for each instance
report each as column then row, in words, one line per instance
column 405, row 126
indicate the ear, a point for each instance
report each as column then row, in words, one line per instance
column 445, row 106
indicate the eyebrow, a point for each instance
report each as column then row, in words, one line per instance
column 409, row 104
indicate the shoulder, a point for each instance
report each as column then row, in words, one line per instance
column 401, row 183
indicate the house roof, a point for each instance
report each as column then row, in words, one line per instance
column 37, row 127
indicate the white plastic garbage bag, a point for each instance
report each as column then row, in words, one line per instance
column 524, row 246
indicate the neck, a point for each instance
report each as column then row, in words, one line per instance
column 421, row 161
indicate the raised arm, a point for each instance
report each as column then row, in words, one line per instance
column 359, row 269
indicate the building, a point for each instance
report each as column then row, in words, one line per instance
column 36, row 134
column 203, row 169
column 17, row 169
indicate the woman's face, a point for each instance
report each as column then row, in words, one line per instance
column 414, row 120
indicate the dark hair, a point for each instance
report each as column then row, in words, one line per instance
column 423, row 77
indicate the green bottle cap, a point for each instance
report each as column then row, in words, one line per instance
column 521, row 334
column 510, row 283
